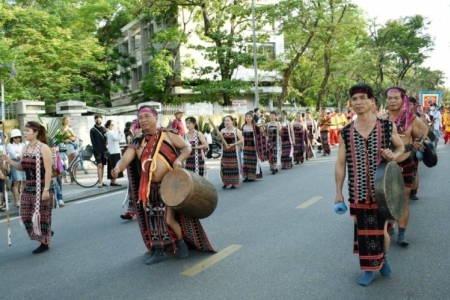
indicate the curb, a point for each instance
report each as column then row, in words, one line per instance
column 89, row 192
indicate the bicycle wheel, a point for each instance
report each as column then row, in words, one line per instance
column 84, row 173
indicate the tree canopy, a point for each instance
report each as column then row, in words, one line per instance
column 67, row 49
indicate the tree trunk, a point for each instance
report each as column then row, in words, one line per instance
column 227, row 100
column 320, row 96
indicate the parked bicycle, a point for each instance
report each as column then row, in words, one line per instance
column 83, row 170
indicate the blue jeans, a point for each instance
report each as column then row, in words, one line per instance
column 59, row 195
column 437, row 133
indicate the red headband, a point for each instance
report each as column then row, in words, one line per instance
column 147, row 110
column 395, row 90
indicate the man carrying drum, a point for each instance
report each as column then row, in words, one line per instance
column 363, row 145
column 148, row 158
column 412, row 132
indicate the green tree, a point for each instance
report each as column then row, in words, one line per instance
column 395, row 49
column 52, row 58
column 223, row 25
column 336, row 40
column 300, row 21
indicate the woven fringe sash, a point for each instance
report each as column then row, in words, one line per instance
column 196, row 151
column 36, row 219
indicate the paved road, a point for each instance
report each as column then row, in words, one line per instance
column 281, row 235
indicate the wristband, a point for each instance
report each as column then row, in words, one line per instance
column 408, row 147
column 46, row 189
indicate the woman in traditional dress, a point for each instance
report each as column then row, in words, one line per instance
column 113, row 137
column 311, row 126
column 132, row 130
column 229, row 164
column 273, row 135
column 253, row 149
column 37, row 198
column 286, row 142
column 127, row 132
column 14, row 150
column 300, row 135
column 195, row 162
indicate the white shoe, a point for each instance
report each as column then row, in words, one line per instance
column 61, row 203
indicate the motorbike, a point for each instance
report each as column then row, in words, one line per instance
column 216, row 148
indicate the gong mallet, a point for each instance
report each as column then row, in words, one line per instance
column 218, row 133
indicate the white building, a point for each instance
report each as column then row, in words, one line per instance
column 135, row 40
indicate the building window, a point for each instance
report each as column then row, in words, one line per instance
column 267, row 50
column 125, row 48
column 137, row 41
column 138, row 73
column 146, row 69
column 151, row 30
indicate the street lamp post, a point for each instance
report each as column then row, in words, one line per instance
column 255, row 56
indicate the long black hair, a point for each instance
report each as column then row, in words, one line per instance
column 193, row 121
column 42, row 133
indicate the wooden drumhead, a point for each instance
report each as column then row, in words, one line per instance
column 176, row 186
column 390, row 190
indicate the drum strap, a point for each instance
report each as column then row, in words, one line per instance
column 149, row 155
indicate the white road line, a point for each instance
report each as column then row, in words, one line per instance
column 205, row 264
column 309, row 202
column 99, row 197
column 13, row 218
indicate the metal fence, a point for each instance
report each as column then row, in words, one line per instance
column 10, row 112
column 169, row 110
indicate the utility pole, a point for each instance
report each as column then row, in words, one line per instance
column 255, row 56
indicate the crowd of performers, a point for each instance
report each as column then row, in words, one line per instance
column 279, row 141
column 395, row 135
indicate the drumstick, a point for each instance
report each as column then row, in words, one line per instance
column 218, row 133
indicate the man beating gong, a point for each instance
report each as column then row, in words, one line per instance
column 148, row 158
column 363, row 145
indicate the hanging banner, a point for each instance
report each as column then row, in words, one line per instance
column 240, row 106
column 427, row 98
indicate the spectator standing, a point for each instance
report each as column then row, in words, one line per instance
column 57, row 182
column 113, row 137
column 256, row 115
column 3, row 138
column 435, row 116
column 14, row 150
column 209, row 140
column 98, row 141
column 178, row 124
column 70, row 141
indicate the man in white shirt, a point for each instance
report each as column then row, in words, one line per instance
column 435, row 116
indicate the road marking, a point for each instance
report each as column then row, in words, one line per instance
column 11, row 219
column 205, row 264
column 98, row 197
column 309, row 202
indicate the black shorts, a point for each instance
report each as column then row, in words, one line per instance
column 2, row 185
column 100, row 159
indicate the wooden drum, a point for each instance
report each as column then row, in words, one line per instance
column 189, row 194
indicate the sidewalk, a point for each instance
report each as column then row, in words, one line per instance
column 72, row 193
